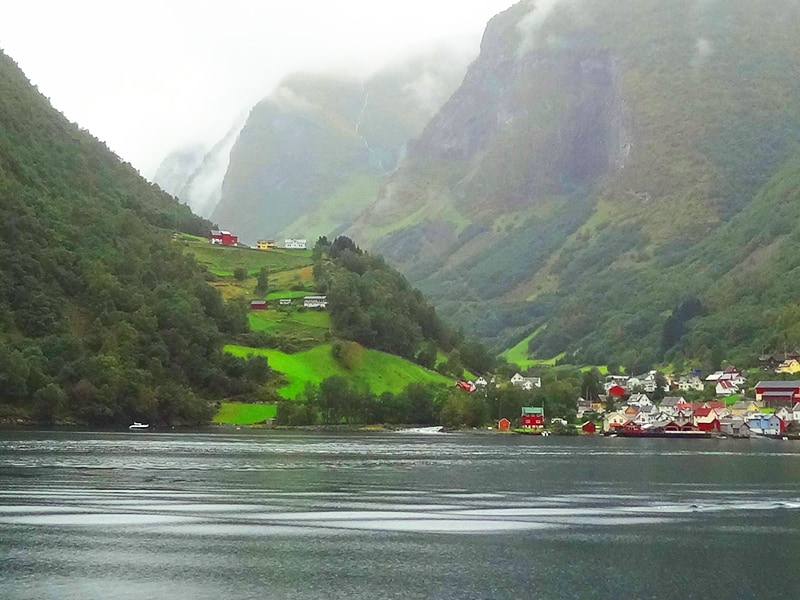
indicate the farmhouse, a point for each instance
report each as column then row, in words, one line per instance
column 317, row 302
column 285, row 301
column 266, row 244
column 526, row 383
column 223, row 238
column 259, row 305
column 295, row 243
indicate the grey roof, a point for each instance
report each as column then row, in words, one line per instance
column 778, row 384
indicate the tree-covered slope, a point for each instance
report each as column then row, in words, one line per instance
column 102, row 318
column 597, row 156
column 313, row 153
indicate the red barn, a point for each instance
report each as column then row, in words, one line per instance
column 224, row 238
column 259, row 305
column 778, row 393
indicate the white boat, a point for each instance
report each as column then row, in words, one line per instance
column 434, row 429
column 138, row 426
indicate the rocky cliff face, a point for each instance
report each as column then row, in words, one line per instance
column 314, row 152
column 592, row 145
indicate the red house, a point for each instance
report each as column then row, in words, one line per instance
column 617, row 391
column 778, row 393
column 589, row 427
column 224, row 238
column 532, row 416
column 259, row 305
column 504, row 424
column 705, row 419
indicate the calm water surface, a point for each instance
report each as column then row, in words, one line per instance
column 376, row 516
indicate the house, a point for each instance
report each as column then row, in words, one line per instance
column 743, row 407
column 790, row 366
column 465, row 385
column 616, row 380
column 224, row 238
column 285, row 301
column 778, row 393
column 316, row 302
column 726, row 387
column 504, row 424
column 259, row 305
column 295, row 243
column 614, row 421
column 706, row 419
column 532, row 416
column 526, row 383
column 481, row 382
column 690, row 382
column 266, row 244
column 589, row 427
column 616, row 391
column 765, row 424
column 674, row 404
column 796, row 412
column 583, row 407
column 783, row 413
column 735, row 427
column 639, row 400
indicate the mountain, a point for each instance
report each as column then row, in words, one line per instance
column 176, row 169
column 103, row 319
column 604, row 165
column 314, row 152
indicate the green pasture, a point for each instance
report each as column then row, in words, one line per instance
column 309, row 323
column 238, row 413
column 224, row 260
column 378, row 371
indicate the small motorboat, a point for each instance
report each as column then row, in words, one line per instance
column 139, row 426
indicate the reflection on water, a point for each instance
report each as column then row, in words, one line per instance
column 382, row 516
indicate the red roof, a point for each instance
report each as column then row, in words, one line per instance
column 617, row 390
column 702, row 412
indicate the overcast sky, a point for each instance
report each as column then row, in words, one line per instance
column 148, row 76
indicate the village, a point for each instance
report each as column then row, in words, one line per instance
column 628, row 407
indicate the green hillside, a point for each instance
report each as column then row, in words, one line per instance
column 604, row 164
column 377, row 371
column 103, row 319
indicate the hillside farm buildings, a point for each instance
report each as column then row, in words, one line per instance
column 295, row 243
column 224, row 238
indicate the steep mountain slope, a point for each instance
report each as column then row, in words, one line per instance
column 102, row 318
column 594, row 151
column 312, row 154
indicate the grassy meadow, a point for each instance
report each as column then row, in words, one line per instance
column 378, row 371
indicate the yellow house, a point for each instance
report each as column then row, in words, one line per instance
column 790, row 366
column 266, row 244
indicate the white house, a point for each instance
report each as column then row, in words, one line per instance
column 726, row 387
column 526, row 383
column 796, row 412
column 320, row 302
column 295, row 243
column 690, row 382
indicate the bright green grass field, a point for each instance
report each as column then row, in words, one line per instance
column 222, row 261
column 379, row 371
column 237, row 413
column 288, row 294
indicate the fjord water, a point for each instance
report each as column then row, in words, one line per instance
column 392, row 515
